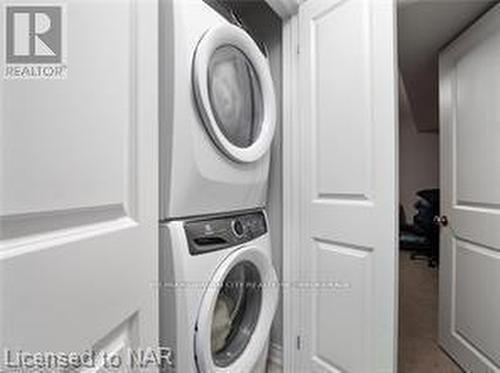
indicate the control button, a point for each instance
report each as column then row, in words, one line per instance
column 238, row 228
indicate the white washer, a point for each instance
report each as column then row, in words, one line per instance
column 218, row 113
column 218, row 293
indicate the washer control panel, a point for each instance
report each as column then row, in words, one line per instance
column 220, row 232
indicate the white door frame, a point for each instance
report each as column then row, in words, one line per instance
column 288, row 11
column 291, row 189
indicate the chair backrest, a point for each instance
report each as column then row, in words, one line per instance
column 402, row 216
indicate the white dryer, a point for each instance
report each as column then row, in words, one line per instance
column 218, row 293
column 217, row 113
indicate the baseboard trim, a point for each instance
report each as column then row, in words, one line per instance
column 276, row 354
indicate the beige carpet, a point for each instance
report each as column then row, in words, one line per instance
column 418, row 319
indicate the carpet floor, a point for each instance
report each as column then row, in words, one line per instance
column 419, row 351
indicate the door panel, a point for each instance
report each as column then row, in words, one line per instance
column 476, row 100
column 476, row 315
column 350, row 100
column 470, row 185
column 352, row 304
column 348, row 207
column 79, row 188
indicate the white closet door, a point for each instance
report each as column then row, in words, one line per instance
column 348, row 209
column 78, row 202
column 469, row 278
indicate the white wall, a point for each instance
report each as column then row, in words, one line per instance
column 418, row 156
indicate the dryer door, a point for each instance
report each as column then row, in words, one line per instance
column 234, row 92
column 236, row 313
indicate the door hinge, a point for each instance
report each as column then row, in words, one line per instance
column 298, row 49
column 299, row 342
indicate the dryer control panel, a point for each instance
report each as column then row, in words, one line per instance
column 220, row 232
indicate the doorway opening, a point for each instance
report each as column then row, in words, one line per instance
column 424, row 29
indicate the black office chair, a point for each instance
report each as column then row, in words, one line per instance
column 422, row 237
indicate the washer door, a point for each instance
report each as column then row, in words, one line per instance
column 234, row 92
column 236, row 313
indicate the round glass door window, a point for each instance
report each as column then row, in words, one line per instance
column 235, row 96
column 234, row 93
column 236, row 313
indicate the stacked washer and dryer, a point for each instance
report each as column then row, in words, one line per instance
column 219, row 292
